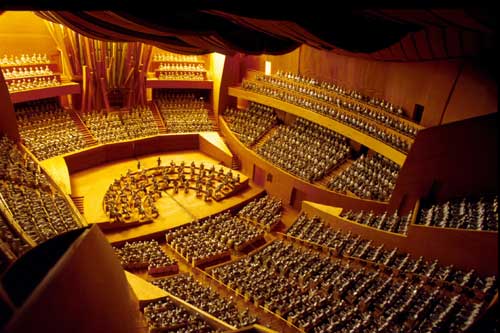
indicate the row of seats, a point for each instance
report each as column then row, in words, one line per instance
column 23, row 72
column 385, row 221
column 36, row 205
column 24, row 59
column 322, row 294
column 186, row 112
column 252, row 123
column 316, row 230
column 17, row 167
column 181, row 75
column 33, row 83
column 465, row 213
column 188, row 289
column 306, row 149
column 372, row 178
column 11, row 239
column 48, row 130
column 164, row 315
column 342, row 116
column 325, row 96
column 179, row 58
column 266, row 211
column 142, row 255
column 212, row 237
column 381, row 103
column 118, row 126
column 40, row 214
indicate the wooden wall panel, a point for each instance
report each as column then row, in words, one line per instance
column 85, row 159
column 452, row 160
column 216, row 68
column 85, row 291
column 178, row 142
column 212, row 150
column 24, row 32
column 100, row 154
column 118, row 151
column 230, row 77
column 475, row 94
column 287, row 62
column 402, row 83
column 8, row 123
column 147, row 146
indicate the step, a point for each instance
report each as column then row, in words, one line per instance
column 334, row 173
column 78, row 201
column 213, row 119
column 87, row 135
column 158, row 118
column 263, row 139
column 235, row 163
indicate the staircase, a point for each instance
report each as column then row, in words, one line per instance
column 334, row 173
column 263, row 139
column 87, row 136
column 235, row 163
column 78, row 201
column 213, row 120
column 158, row 118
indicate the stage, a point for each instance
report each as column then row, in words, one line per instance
column 174, row 209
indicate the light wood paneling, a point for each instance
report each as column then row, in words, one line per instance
column 475, row 94
column 452, row 160
column 211, row 144
column 23, row 32
column 406, row 84
column 57, row 169
column 84, row 291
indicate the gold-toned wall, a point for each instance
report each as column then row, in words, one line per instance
column 24, row 32
column 449, row 90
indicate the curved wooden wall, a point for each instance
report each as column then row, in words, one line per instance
column 449, row 90
column 104, row 153
column 452, row 160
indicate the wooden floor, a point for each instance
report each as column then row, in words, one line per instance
column 174, row 210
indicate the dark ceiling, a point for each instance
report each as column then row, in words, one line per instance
column 387, row 33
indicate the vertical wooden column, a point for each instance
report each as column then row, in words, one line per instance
column 85, row 88
column 230, row 77
column 104, row 92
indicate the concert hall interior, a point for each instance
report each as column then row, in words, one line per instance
column 223, row 167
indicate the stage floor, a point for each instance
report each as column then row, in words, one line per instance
column 174, row 210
